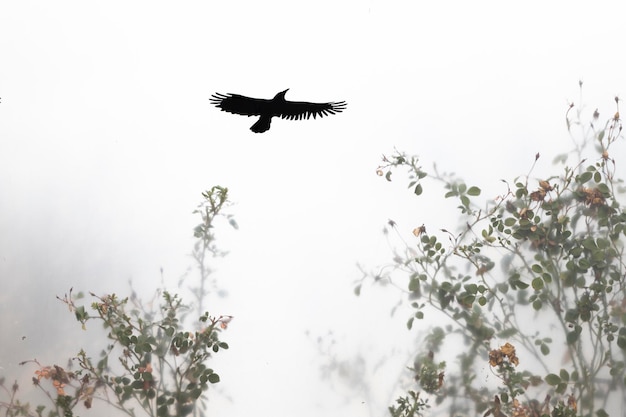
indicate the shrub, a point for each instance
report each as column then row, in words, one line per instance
column 532, row 282
column 152, row 361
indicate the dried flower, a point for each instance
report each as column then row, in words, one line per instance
column 497, row 356
column 418, row 231
column 593, row 197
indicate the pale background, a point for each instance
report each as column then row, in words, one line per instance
column 107, row 140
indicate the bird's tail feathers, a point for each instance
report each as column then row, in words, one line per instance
column 261, row 125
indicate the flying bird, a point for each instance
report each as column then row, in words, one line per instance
column 276, row 107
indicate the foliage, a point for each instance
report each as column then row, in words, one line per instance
column 149, row 364
column 533, row 283
column 210, row 209
column 409, row 405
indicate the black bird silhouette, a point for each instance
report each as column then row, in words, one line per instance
column 278, row 106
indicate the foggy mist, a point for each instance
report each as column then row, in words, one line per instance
column 108, row 139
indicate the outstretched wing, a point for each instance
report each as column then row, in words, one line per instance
column 234, row 103
column 297, row 110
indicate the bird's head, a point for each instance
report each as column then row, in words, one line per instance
column 281, row 95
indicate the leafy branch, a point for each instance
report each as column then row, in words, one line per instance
column 559, row 246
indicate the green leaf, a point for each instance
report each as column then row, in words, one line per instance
column 537, row 284
column 521, row 285
column 589, row 243
column 471, row 288
column 560, row 158
column 507, row 333
column 510, row 221
column 552, row 379
column 214, row 378
column 604, row 189
column 473, row 191
column 603, row 243
column 621, row 339
column 602, row 413
column 81, row 314
column 162, row 411
column 584, row 177
column 597, row 177
column 418, row 189
column 571, row 315
column 196, row 393
column 572, row 337
column 547, row 278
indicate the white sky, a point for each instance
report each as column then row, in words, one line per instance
column 107, row 140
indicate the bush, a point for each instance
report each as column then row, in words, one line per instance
column 150, row 360
column 533, row 283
